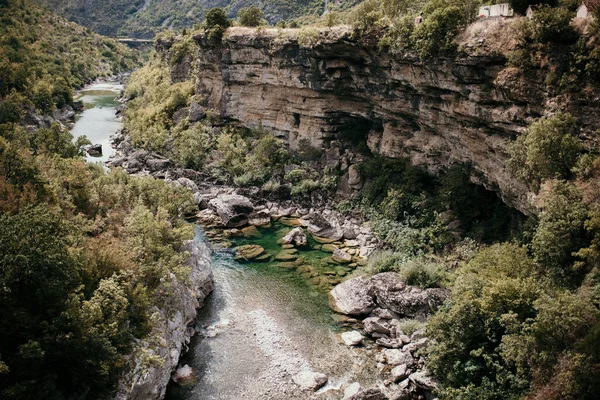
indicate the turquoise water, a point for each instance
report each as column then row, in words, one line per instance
column 98, row 121
column 244, row 359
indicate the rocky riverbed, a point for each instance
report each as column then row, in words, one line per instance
column 379, row 316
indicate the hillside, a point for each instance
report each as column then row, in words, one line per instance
column 144, row 18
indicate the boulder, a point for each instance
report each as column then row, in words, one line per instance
column 183, row 375
column 196, row 112
column 329, row 248
column 352, row 338
column 351, row 390
column 259, row 218
column 233, row 209
column 398, row 357
column 369, row 394
column 329, row 229
column 188, row 183
column 354, row 178
column 341, row 256
column 399, row 372
column 308, row 380
column 296, row 237
column 158, row 164
column 248, row 252
column 376, row 324
column 423, row 380
column 250, row 232
column 391, row 292
column 352, row 297
column 93, row 150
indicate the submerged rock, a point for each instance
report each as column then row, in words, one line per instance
column 248, row 252
column 341, row 256
column 308, row 380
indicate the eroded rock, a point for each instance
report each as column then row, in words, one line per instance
column 233, row 209
column 309, row 380
column 352, row 297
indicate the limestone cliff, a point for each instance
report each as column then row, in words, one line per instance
column 329, row 86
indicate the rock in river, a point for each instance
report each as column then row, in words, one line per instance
column 248, row 252
column 341, row 256
column 296, row 237
column 308, row 380
column 352, row 338
column 233, row 209
column 352, row 297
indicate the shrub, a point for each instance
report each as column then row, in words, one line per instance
column 436, row 34
column 251, row 16
column 215, row 23
column 553, row 25
column 549, row 149
column 305, row 186
column 422, row 273
column 410, row 326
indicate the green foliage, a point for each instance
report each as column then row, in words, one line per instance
column 251, row 16
column 520, row 6
column 216, row 23
column 495, row 291
column 549, row 149
column 410, row 326
column 560, row 231
column 437, row 32
column 415, row 271
column 553, row 25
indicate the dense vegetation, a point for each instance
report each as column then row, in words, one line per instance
column 43, row 58
column 84, row 254
column 141, row 18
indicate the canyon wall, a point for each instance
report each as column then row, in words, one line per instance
column 330, row 87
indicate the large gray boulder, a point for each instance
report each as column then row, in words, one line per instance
column 369, row 394
column 390, row 291
column 352, row 297
column 321, row 227
column 233, row 209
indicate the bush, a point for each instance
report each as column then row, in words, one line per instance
column 553, row 25
column 549, row 149
column 410, row 326
column 436, row 34
column 251, row 16
column 215, row 23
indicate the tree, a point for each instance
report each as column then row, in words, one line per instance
column 437, row 32
column 549, row 149
column 215, row 23
column 560, row 231
column 251, row 16
column 553, row 25
column 520, row 6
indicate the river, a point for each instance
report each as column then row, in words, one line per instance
column 98, row 121
column 262, row 324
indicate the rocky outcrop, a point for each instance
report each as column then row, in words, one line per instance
column 154, row 359
column 296, row 237
column 233, row 209
column 340, row 89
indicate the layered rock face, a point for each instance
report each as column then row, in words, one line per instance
column 436, row 113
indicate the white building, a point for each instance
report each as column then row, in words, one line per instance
column 496, row 10
column 531, row 10
column 587, row 8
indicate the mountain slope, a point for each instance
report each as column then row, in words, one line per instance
column 143, row 18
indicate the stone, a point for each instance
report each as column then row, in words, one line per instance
column 351, row 390
column 296, row 237
column 158, row 164
column 259, row 218
column 352, row 297
column 322, row 240
column 397, row 357
column 341, row 256
column 369, row 394
column 389, row 343
column 376, row 324
column 196, row 112
column 416, row 345
column 286, row 256
column 292, row 222
column 233, row 209
column 329, row 248
column 250, row 232
column 352, row 338
column 354, row 178
column 329, row 229
column 399, row 372
column 391, row 292
column 188, row 183
column 184, row 375
column 423, row 380
column 310, row 381
column 93, row 150
column 248, row 252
